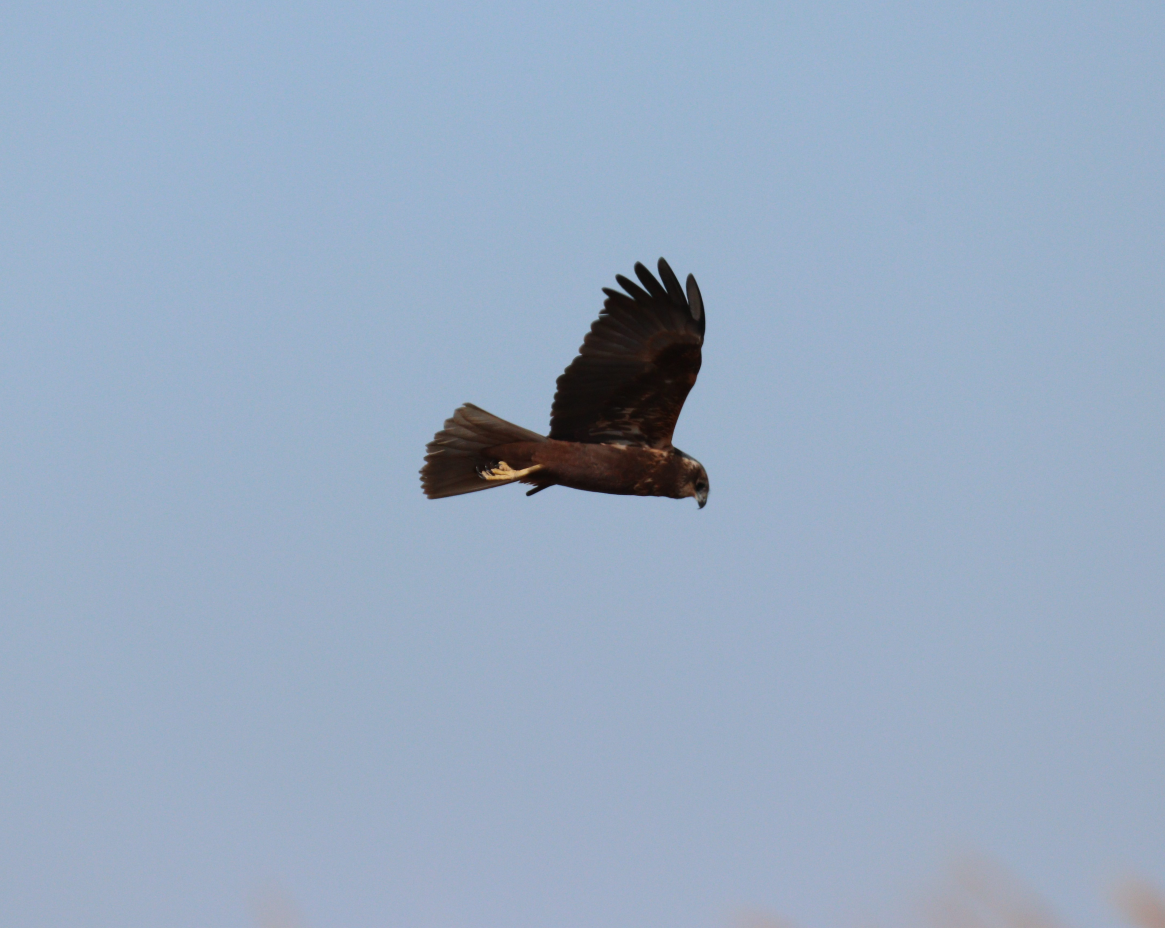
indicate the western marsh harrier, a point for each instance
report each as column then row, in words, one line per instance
column 613, row 415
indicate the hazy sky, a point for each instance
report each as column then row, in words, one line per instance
column 252, row 255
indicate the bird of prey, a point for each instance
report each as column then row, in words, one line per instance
column 613, row 415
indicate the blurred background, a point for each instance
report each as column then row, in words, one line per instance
column 253, row 254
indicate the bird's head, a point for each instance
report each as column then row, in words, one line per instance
column 696, row 480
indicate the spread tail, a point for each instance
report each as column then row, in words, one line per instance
column 456, row 455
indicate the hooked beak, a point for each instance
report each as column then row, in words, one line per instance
column 702, row 499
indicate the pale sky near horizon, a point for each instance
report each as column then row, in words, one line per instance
column 254, row 254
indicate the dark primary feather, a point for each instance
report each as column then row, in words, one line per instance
column 636, row 365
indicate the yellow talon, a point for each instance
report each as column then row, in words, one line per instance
column 503, row 471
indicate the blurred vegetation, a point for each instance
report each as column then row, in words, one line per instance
column 983, row 895
column 977, row 894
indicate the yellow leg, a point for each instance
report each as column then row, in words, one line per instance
column 504, row 472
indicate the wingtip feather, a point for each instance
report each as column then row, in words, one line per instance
column 653, row 286
column 673, row 285
column 695, row 300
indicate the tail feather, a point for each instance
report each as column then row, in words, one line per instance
column 456, row 453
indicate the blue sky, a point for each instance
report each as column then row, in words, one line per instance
column 254, row 254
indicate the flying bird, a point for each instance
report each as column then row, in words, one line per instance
column 614, row 413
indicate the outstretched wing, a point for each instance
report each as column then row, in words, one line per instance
column 636, row 365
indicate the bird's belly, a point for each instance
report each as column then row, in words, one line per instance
column 600, row 468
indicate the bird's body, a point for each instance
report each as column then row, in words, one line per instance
column 626, row 470
column 613, row 415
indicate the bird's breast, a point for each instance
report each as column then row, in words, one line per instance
column 607, row 468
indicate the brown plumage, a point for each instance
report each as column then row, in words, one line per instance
column 614, row 413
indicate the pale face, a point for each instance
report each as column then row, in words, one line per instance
column 700, row 484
